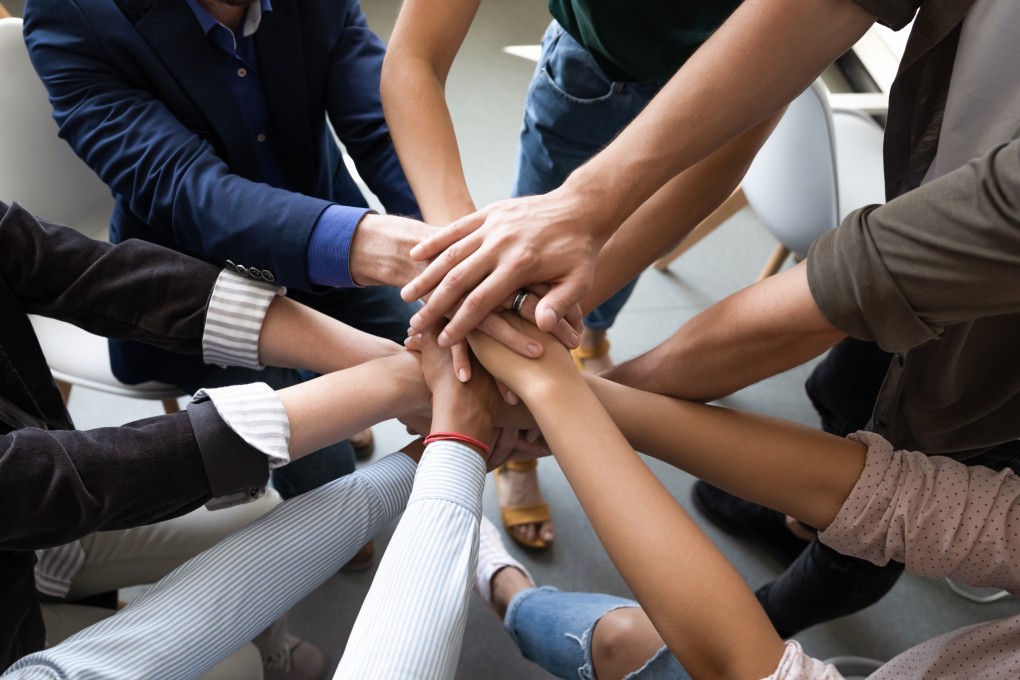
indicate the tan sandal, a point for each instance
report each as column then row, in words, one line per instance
column 582, row 354
column 527, row 514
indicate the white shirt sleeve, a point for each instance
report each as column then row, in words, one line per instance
column 237, row 308
column 412, row 621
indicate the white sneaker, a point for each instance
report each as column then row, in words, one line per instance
column 492, row 556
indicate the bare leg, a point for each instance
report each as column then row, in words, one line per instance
column 518, row 489
column 624, row 641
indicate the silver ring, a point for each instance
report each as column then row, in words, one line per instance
column 519, row 301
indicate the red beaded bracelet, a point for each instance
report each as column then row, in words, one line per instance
column 456, row 437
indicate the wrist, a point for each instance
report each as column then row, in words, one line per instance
column 464, row 417
column 380, row 250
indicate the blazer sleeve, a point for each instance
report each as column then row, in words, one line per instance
column 171, row 178
column 58, row 486
column 355, row 110
column 134, row 290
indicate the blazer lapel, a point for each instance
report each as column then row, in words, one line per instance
column 278, row 44
column 172, row 31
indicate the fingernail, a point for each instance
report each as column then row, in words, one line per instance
column 443, row 340
column 533, row 349
column 407, row 293
column 575, row 340
column 463, row 375
column 411, row 331
column 415, row 322
column 407, row 340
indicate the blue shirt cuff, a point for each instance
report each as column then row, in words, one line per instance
column 329, row 248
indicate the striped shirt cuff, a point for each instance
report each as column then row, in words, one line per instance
column 453, row 472
column 56, row 567
column 392, row 478
column 237, row 308
column 257, row 415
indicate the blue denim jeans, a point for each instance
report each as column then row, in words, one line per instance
column 572, row 111
column 554, row 629
column 377, row 310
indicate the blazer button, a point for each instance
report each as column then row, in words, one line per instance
column 255, row 273
column 231, row 265
column 242, row 270
column 268, row 275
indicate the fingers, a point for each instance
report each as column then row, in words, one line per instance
column 440, row 269
column 560, row 299
column 500, row 330
column 447, row 236
column 479, row 303
column 446, row 286
column 564, row 331
column 461, row 361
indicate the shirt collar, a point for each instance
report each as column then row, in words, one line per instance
column 251, row 21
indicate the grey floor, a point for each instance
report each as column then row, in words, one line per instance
column 485, row 92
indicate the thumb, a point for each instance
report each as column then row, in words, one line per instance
column 560, row 298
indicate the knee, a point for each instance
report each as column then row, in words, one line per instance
column 623, row 641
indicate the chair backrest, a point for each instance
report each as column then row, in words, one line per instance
column 37, row 168
column 792, row 183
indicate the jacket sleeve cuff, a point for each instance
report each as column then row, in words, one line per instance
column 329, row 248
column 233, row 323
column 237, row 471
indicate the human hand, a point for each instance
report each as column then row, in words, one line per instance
column 483, row 259
column 464, row 408
column 523, row 375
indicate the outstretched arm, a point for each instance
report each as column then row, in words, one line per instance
column 758, row 61
column 421, row 589
column 620, row 495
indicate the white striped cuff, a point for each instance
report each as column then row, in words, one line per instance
column 453, row 472
column 257, row 415
column 55, row 568
column 237, row 308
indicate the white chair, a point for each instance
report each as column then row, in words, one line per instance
column 817, row 166
column 42, row 173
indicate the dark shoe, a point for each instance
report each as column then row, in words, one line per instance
column 762, row 526
column 362, row 559
column 304, row 661
column 364, row 445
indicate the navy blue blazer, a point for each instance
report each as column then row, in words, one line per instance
column 137, row 93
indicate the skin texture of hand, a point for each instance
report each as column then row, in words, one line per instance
column 485, row 258
column 464, row 408
column 719, row 93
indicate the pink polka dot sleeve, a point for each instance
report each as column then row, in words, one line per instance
column 937, row 515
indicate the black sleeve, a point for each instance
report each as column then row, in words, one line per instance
column 135, row 290
column 57, row 486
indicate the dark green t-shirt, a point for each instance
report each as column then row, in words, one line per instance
column 638, row 40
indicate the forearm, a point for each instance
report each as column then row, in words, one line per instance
column 755, row 333
column 672, row 213
column 798, row 470
column 632, row 513
column 425, row 41
column 421, row 589
column 205, row 610
column 424, row 137
column 757, row 62
column 296, row 336
column 334, row 406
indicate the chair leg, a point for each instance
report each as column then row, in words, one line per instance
column 725, row 211
column 65, row 390
column 3, row 11
column 775, row 262
column 171, row 405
